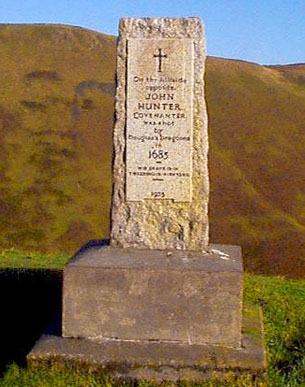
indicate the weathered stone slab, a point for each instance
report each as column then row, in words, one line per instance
column 158, row 361
column 160, row 175
column 144, row 295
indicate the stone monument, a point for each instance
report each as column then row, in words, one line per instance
column 161, row 187
column 159, row 302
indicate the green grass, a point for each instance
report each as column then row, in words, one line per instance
column 30, row 260
column 283, row 306
column 55, row 377
column 65, row 377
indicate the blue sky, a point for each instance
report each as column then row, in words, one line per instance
column 261, row 31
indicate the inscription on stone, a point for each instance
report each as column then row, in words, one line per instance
column 159, row 119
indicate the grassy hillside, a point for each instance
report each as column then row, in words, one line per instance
column 56, row 117
column 257, row 162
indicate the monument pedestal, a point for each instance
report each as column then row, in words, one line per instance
column 156, row 315
column 152, row 295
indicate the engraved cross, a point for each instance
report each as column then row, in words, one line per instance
column 160, row 56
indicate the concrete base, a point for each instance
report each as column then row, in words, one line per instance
column 174, row 296
column 158, row 361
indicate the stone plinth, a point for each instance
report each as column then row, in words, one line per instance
column 159, row 361
column 144, row 295
column 160, row 172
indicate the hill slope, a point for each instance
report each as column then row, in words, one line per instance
column 56, row 117
column 257, row 161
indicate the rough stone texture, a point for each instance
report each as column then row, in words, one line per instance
column 162, row 223
column 144, row 295
column 158, row 361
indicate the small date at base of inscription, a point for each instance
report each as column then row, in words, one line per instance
column 158, row 195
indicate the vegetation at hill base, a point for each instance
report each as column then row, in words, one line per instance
column 283, row 305
column 32, row 260
column 56, row 119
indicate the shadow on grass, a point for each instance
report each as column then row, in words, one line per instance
column 30, row 305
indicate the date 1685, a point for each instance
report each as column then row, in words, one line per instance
column 158, row 154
